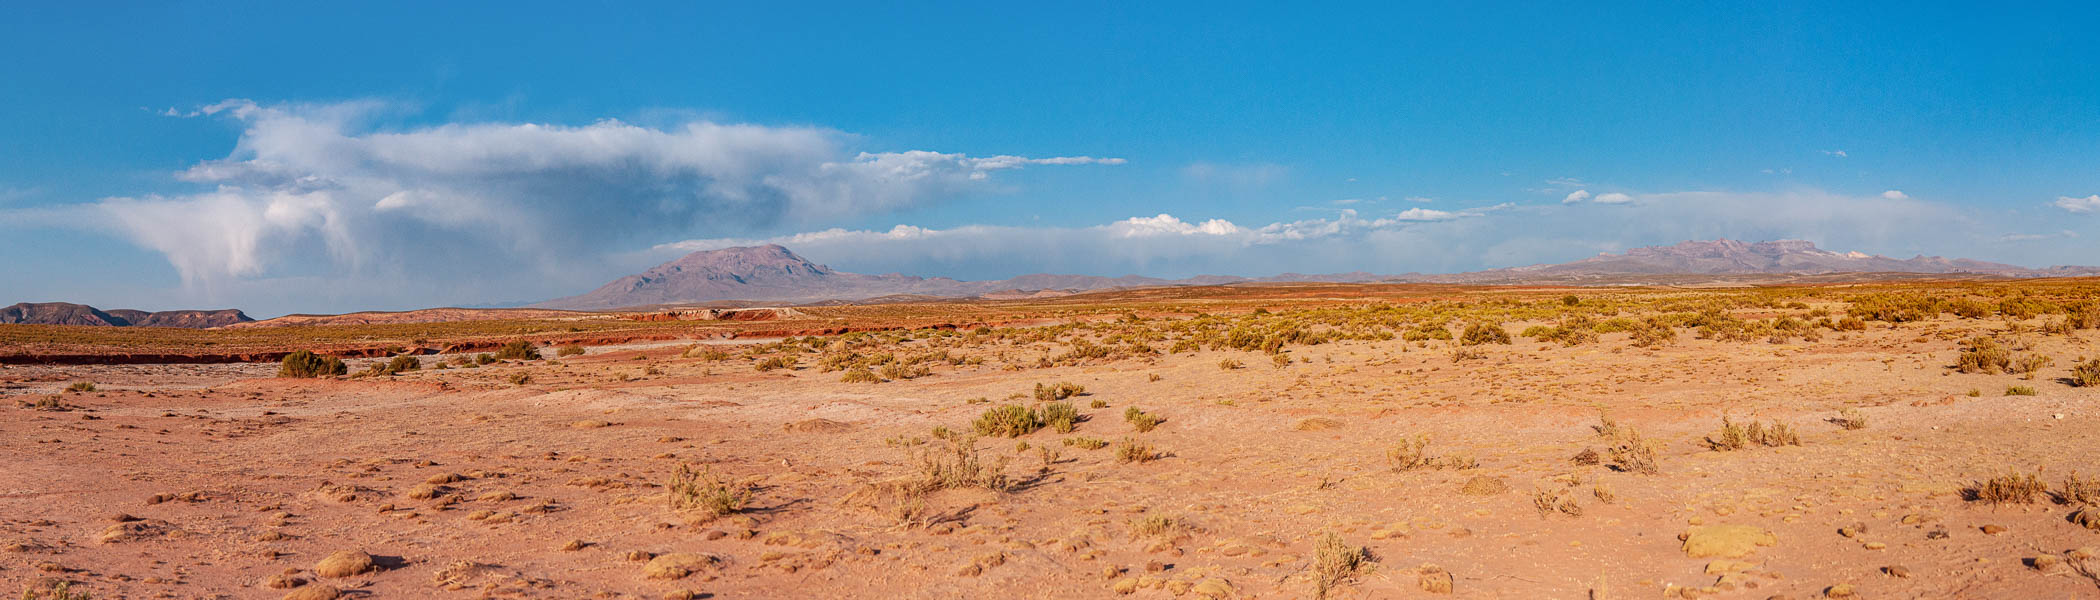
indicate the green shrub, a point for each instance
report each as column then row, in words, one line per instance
column 1061, row 416
column 776, row 362
column 518, row 350
column 860, row 375
column 1086, row 443
column 306, row 364
column 2019, row 390
column 1983, row 355
column 1058, row 391
column 1011, row 420
column 1131, row 450
column 1140, row 420
column 1484, row 333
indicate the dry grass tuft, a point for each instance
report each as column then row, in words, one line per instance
column 2013, row 488
column 1336, row 562
column 1736, row 437
column 1133, row 450
column 700, row 491
column 1140, row 420
column 1629, row 452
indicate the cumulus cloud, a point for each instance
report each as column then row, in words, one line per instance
column 2087, row 204
column 311, row 185
column 1575, row 196
column 1895, row 195
column 1613, row 198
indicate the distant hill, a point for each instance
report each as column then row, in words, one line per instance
column 67, row 313
column 773, row 273
column 1731, row 257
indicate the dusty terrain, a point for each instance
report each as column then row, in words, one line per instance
column 1283, row 463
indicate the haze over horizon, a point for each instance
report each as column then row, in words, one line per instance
column 392, row 156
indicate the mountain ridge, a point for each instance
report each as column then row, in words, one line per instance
column 67, row 313
column 773, row 273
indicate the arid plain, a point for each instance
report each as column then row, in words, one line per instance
column 1917, row 439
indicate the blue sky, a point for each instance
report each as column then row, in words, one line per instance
column 401, row 155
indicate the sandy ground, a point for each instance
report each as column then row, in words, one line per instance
column 216, row 481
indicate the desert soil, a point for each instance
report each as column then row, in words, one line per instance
column 221, row 481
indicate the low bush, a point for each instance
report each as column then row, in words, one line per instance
column 305, row 364
column 1011, row 420
column 518, row 350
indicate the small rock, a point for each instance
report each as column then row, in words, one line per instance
column 1434, row 579
column 1483, row 485
column 1126, row 585
column 677, row 565
column 1897, row 571
column 345, row 563
column 1725, row 541
column 2088, row 517
column 1214, row 588
column 315, row 592
column 1840, row 591
column 1993, row 529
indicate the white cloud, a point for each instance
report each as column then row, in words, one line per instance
column 2087, row 204
column 1424, row 214
column 1575, row 196
column 319, row 188
column 1613, row 198
column 1415, row 240
column 1420, row 199
column 1836, row 153
column 1895, row 195
column 2029, row 237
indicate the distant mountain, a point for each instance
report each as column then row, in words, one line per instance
column 1730, row 257
column 774, row 274
column 66, row 313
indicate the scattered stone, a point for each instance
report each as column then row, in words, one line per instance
column 1318, row 424
column 1897, row 571
column 283, row 582
column 590, row 424
column 1721, row 566
column 2088, row 517
column 1433, row 579
column 1840, row 591
column 1126, row 585
column 678, row 565
column 817, row 426
column 345, row 563
column 1725, row 541
column 575, row 545
column 1993, row 529
column 315, row 592
column 1214, row 588
column 1483, row 485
